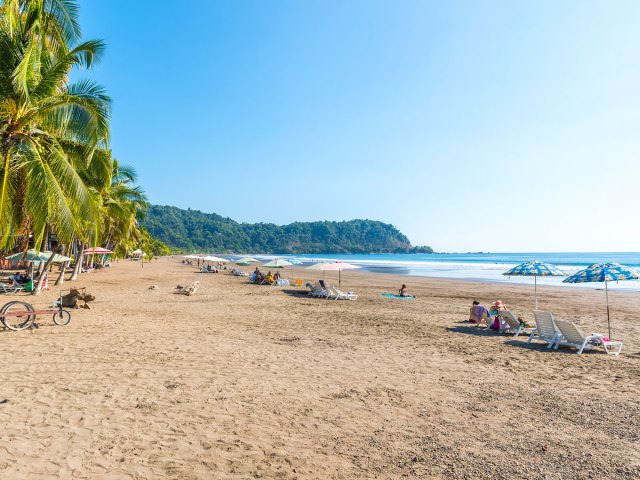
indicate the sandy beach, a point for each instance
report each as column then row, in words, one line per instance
column 246, row 381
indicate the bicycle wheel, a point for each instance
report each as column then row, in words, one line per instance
column 62, row 317
column 20, row 317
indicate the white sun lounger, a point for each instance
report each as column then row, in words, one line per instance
column 15, row 288
column 573, row 337
column 340, row 295
column 509, row 322
column 546, row 329
column 318, row 291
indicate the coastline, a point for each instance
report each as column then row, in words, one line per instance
column 248, row 381
column 453, row 266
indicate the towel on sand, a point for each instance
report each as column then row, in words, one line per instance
column 391, row 295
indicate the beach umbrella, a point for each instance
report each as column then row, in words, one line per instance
column 277, row 263
column 246, row 260
column 30, row 256
column 337, row 266
column 535, row 269
column 57, row 258
column 96, row 250
column 35, row 256
column 137, row 252
column 319, row 266
column 603, row 272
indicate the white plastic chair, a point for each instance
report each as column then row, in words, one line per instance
column 340, row 295
column 572, row 336
column 509, row 322
column 546, row 329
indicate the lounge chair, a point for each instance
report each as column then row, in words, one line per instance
column 573, row 337
column 340, row 295
column 508, row 322
column 323, row 292
column 318, row 291
column 546, row 329
column 15, row 288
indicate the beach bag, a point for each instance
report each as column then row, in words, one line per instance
column 29, row 286
column 496, row 324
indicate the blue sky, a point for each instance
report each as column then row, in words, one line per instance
column 469, row 125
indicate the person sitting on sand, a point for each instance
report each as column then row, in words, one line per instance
column 403, row 291
column 276, row 276
column 478, row 313
column 269, row 279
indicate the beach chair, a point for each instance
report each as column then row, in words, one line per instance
column 546, row 329
column 323, row 291
column 6, row 288
column 320, row 292
column 572, row 336
column 315, row 290
column 340, row 295
column 508, row 322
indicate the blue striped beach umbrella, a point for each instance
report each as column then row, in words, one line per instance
column 535, row 269
column 603, row 272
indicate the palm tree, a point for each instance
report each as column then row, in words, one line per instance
column 48, row 127
column 43, row 119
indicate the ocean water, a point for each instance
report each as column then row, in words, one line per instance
column 482, row 266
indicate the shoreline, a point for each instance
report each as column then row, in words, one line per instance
column 480, row 272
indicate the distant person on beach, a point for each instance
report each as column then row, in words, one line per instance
column 269, row 279
column 276, row 276
column 478, row 313
column 403, row 291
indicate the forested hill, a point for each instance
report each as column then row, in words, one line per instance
column 194, row 230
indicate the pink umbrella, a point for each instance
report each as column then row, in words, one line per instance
column 339, row 266
column 97, row 250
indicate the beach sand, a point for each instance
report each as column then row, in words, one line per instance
column 246, row 381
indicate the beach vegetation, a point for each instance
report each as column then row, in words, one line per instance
column 192, row 230
column 60, row 188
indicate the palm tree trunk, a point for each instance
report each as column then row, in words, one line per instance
column 79, row 259
column 5, row 178
column 63, row 268
column 45, row 273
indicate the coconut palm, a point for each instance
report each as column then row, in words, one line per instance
column 45, row 121
column 48, row 127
